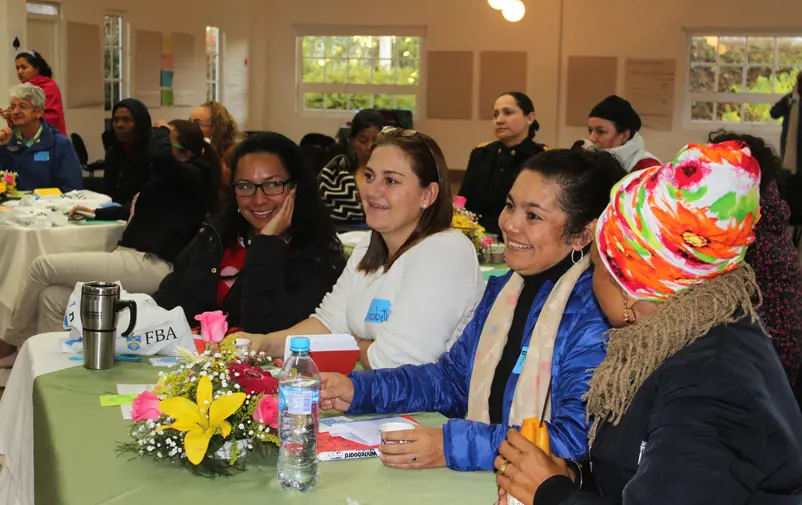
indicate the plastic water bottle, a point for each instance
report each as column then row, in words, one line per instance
column 298, row 418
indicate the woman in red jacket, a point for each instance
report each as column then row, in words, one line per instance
column 32, row 68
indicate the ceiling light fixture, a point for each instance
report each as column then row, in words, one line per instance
column 514, row 11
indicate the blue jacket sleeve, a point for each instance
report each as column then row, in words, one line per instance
column 471, row 445
column 68, row 169
column 583, row 350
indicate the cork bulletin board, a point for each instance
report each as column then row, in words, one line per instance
column 590, row 80
column 499, row 72
column 449, row 89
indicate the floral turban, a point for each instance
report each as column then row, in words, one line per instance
column 671, row 227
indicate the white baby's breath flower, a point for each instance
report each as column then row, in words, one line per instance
column 241, row 426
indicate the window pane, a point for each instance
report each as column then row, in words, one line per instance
column 703, row 49
column 107, row 90
column 42, row 9
column 702, row 79
column 117, row 89
column 408, row 73
column 359, row 71
column 313, row 101
column 732, row 49
column 313, row 70
column 789, row 51
column 211, row 39
column 406, row 102
column 361, row 47
column 360, row 101
column 785, row 80
column 336, row 101
column 761, row 49
column 407, row 47
column 730, row 79
column 758, row 80
column 335, row 71
column 107, row 63
column 313, row 47
column 728, row 112
column 757, row 112
column 702, row 111
column 384, row 101
column 384, row 72
column 115, row 64
column 337, row 47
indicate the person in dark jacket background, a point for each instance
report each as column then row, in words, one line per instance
column 774, row 258
column 493, row 166
column 41, row 156
column 137, row 152
column 691, row 404
column 532, row 342
column 269, row 259
column 791, row 140
column 163, row 220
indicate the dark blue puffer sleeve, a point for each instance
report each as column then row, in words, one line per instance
column 471, row 445
column 440, row 386
column 582, row 352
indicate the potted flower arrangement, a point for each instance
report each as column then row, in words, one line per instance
column 8, row 184
column 468, row 223
column 214, row 413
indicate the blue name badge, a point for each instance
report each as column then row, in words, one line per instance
column 379, row 311
column 41, row 156
column 519, row 365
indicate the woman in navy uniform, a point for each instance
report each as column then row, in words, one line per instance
column 493, row 166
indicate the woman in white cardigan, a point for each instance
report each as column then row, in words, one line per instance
column 410, row 287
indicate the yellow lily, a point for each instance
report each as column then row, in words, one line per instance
column 203, row 419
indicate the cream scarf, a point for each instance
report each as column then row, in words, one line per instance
column 532, row 391
column 789, row 159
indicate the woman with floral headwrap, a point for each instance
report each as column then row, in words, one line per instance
column 691, row 404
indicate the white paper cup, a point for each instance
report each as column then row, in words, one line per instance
column 243, row 346
column 388, row 427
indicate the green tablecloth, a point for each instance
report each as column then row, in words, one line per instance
column 76, row 462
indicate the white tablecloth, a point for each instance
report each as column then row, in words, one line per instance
column 20, row 246
column 41, row 354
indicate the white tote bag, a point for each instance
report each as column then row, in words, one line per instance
column 156, row 330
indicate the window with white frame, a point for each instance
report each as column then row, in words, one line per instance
column 42, row 8
column 113, row 60
column 737, row 78
column 212, row 63
column 348, row 73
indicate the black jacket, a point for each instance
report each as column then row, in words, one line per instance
column 278, row 286
column 126, row 171
column 491, row 171
column 715, row 424
column 170, row 207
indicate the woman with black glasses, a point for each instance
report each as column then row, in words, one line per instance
column 271, row 256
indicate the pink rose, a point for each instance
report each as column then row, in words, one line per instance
column 146, row 407
column 267, row 411
column 213, row 326
column 459, row 202
column 486, row 242
column 9, row 179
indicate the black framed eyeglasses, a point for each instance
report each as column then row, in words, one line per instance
column 269, row 188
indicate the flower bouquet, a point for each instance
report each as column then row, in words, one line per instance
column 8, row 184
column 213, row 413
column 467, row 222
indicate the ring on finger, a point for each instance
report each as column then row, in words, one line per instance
column 414, row 458
column 503, row 469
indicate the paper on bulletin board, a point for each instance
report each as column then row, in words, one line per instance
column 167, row 78
column 590, row 80
column 167, row 98
column 167, row 44
column 650, row 85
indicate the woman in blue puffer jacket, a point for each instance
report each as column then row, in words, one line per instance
column 532, row 344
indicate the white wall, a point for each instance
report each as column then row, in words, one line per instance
column 622, row 28
column 176, row 16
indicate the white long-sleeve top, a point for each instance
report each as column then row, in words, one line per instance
column 415, row 311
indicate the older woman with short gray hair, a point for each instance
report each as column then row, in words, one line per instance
column 40, row 155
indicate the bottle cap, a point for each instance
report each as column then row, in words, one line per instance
column 299, row 344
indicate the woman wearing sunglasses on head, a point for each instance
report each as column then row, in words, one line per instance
column 691, row 405
column 411, row 284
column 532, row 341
column 271, row 256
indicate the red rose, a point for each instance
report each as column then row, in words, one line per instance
column 253, row 380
